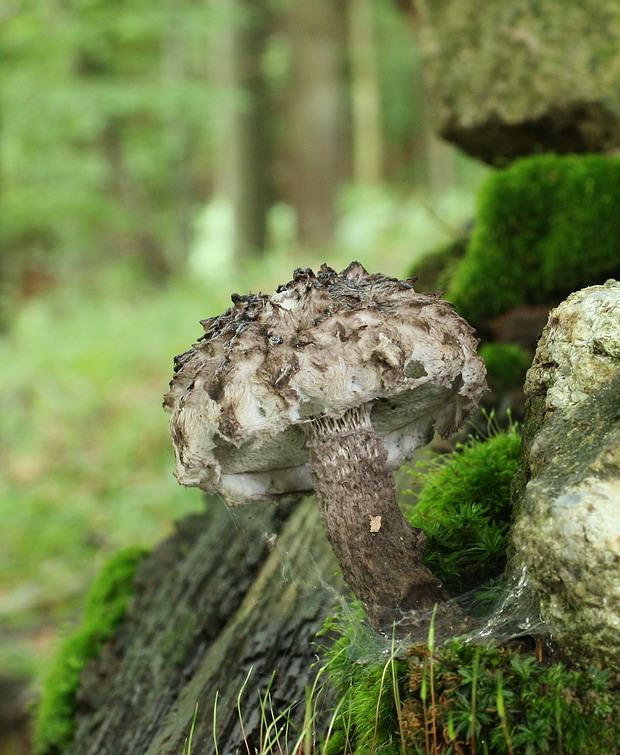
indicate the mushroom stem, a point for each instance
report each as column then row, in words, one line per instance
column 379, row 551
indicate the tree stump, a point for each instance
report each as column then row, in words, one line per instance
column 230, row 592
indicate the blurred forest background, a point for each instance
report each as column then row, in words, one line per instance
column 153, row 159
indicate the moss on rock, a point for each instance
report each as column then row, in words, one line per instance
column 544, row 227
column 464, row 508
column 523, row 77
column 433, row 271
column 104, row 609
column 567, row 520
column 506, row 365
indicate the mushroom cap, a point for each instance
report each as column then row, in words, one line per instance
column 242, row 398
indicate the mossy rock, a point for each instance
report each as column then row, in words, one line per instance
column 434, row 270
column 104, row 609
column 506, row 365
column 546, row 226
column 508, row 79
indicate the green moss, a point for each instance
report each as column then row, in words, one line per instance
column 502, row 700
column 546, row 226
column 434, row 270
column 464, row 508
column 369, row 692
column 464, row 698
column 104, row 609
column 506, row 365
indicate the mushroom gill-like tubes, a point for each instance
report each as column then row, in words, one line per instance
column 379, row 551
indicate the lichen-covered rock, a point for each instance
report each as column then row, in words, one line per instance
column 567, row 526
column 510, row 79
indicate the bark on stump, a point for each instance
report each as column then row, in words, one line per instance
column 212, row 602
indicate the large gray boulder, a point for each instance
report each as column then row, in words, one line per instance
column 512, row 79
column 567, row 525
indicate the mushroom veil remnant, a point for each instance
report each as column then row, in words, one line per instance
column 328, row 386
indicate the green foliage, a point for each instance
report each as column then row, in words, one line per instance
column 434, row 269
column 501, row 700
column 105, row 607
column 462, row 698
column 369, row 692
column 545, row 226
column 87, row 459
column 506, row 365
column 106, row 129
column 464, row 508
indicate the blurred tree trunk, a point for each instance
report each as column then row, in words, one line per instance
column 365, row 94
column 231, row 598
column 144, row 239
column 177, row 132
column 316, row 122
column 438, row 157
column 243, row 169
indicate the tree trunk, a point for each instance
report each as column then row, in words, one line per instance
column 131, row 193
column 213, row 603
column 365, row 94
column 316, row 116
column 177, row 132
column 243, row 171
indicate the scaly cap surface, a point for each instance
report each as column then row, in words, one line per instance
column 321, row 345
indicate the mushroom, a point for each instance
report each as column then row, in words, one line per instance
column 328, row 386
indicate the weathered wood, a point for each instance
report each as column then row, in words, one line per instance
column 216, row 599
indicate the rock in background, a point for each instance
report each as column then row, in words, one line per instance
column 511, row 79
column 567, row 526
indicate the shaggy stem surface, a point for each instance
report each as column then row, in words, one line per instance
column 379, row 551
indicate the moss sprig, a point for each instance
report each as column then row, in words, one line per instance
column 463, row 505
column 503, row 700
column 104, row 609
column 367, row 717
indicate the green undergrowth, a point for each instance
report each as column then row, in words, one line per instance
column 545, row 226
column 506, row 365
column 464, row 698
column 463, row 505
column 104, row 609
column 366, row 719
